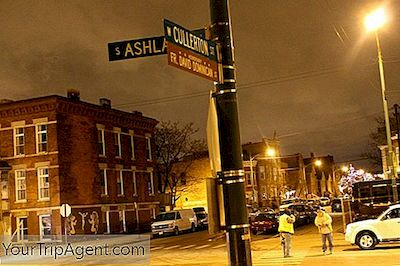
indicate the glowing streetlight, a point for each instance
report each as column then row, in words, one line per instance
column 373, row 22
column 318, row 162
column 270, row 152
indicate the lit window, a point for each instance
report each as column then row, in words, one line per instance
column 43, row 180
column 150, row 182
column 134, row 184
column 117, row 144
column 22, row 228
column 120, row 183
column 133, row 147
column 45, row 226
column 20, row 185
column 19, row 141
column 103, row 182
column 148, row 149
column 41, row 138
column 262, row 172
column 101, row 142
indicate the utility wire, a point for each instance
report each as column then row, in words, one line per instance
column 281, row 79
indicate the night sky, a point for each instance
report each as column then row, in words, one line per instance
column 306, row 69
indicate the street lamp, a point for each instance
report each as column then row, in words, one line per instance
column 270, row 152
column 373, row 22
column 314, row 162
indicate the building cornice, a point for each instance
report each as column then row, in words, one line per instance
column 60, row 104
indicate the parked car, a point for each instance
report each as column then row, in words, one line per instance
column 313, row 202
column 336, row 205
column 264, row 222
column 286, row 203
column 324, row 201
column 174, row 222
column 368, row 233
column 302, row 212
column 201, row 217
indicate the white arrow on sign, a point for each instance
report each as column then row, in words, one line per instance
column 65, row 210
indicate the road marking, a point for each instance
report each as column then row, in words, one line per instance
column 186, row 247
column 171, row 247
column 155, row 248
column 203, row 246
column 220, row 246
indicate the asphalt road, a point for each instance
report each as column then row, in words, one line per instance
column 197, row 249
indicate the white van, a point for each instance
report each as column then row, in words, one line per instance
column 174, row 222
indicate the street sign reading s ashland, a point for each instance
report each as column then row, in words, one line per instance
column 187, row 39
column 136, row 48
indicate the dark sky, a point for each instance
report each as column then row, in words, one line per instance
column 305, row 68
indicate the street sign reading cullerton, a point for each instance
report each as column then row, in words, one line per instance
column 187, row 39
column 189, row 52
column 136, row 48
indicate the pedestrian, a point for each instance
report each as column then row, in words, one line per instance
column 324, row 223
column 286, row 230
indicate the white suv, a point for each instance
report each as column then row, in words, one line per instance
column 386, row 228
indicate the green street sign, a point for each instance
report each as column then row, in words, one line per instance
column 136, row 48
column 190, row 40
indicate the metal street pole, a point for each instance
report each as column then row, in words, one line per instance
column 392, row 168
column 396, row 114
column 253, row 181
column 236, row 219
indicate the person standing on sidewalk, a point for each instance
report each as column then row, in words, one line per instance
column 324, row 223
column 286, row 230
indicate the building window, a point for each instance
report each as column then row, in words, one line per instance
column 122, row 221
column 100, row 141
column 45, row 226
column 20, row 185
column 247, row 177
column 108, row 222
column 148, row 149
column 19, row 141
column 41, row 138
column 262, row 172
column 103, row 182
column 120, row 183
column 150, row 182
column 22, row 228
column 133, row 147
column 43, row 183
column 117, row 144
column 134, row 183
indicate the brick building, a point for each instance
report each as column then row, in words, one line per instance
column 97, row 159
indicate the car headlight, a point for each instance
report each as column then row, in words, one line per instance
column 171, row 225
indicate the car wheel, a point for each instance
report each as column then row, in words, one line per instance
column 255, row 232
column 366, row 240
column 176, row 231
column 193, row 228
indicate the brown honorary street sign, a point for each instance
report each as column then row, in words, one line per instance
column 191, row 62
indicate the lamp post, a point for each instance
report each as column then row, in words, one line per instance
column 373, row 22
column 314, row 162
column 270, row 153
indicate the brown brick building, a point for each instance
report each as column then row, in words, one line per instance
column 62, row 150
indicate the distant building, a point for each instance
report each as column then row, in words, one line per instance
column 321, row 180
column 268, row 184
column 97, row 159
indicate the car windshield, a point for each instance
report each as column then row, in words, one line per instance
column 263, row 217
column 200, row 215
column 166, row 216
column 284, row 202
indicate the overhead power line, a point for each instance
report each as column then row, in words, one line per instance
column 266, row 82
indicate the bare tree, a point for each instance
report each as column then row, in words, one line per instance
column 175, row 150
column 378, row 138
